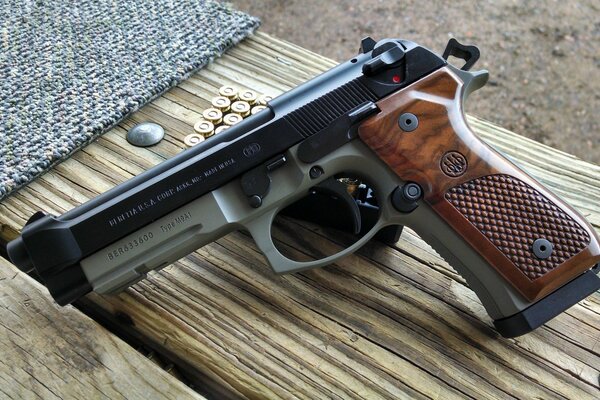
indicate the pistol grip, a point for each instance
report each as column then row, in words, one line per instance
column 535, row 241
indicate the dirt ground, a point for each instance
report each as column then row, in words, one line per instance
column 543, row 56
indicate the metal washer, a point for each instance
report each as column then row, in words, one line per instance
column 145, row 134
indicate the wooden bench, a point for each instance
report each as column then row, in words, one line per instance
column 51, row 352
column 387, row 322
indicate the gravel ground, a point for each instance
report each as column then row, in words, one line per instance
column 543, row 56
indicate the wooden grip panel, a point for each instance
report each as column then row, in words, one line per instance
column 497, row 208
column 512, row 215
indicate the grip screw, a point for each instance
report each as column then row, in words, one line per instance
column 408, row 122
column 542, row 249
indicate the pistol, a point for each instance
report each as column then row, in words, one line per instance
column 392, row 117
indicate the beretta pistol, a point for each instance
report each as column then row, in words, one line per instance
column 393, row 117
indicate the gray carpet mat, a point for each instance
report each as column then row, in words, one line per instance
column 70, row 70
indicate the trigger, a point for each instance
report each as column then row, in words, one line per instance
column 336, row 189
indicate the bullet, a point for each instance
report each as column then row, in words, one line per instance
column 221, row 129
column 264, row 99
column 221, row 103
column 213, row 115
column 205, row 128
column 232, row 119
column 241, row 107
column 229, row 91
column 193, row 139
column 248, row 96
column 257, row 109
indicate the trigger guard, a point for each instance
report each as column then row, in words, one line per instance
column 260, row 229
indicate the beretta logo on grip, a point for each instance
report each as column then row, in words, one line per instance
column 453, row 164
column 251, row 150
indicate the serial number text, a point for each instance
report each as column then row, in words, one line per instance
column 132, row 244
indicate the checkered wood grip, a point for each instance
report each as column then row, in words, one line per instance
column 513, row 215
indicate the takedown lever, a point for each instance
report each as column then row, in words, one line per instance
column 256, row 183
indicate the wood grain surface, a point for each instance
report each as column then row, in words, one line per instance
column 52, row 352
column 388, row 322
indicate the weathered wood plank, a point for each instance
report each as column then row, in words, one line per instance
column 51, row 352
column 388, row 322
